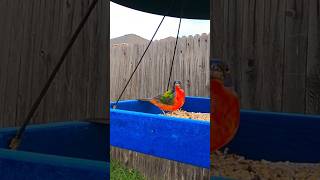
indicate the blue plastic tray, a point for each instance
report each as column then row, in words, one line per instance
column 137, row 126
column 271, row 136
column 277, row 137
column 64, row 151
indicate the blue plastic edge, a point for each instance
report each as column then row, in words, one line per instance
column 123, row 134
column 13, row 161
column 54, row 160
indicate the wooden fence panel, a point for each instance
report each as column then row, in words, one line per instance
column 296, row 41
column 32, row 35
column 273, row 49
column 155, row 168
column 191, row 67
column 313, row 56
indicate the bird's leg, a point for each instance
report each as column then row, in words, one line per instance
column 163, row 112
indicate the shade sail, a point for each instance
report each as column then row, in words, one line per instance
column 192, row 9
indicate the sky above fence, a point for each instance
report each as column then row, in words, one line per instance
column 128, row 21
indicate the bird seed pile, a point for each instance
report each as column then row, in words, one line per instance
column 189, row 115
column 237, row 167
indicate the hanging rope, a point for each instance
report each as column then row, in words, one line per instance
column 174, row 53
column 175, row 46
column 15, row 142
column 135, row 69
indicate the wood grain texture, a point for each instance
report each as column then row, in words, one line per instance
column 33, row 35
column 312, row 95
column 217, row 29
column 191, row 67
column 296, row 55
column 154, row 168
column 272, row 47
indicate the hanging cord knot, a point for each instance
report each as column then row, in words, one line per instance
column 15, row 143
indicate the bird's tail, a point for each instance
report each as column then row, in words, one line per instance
column 144, row 99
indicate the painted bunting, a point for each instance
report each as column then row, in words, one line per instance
column 171, row 100
column 225, row 107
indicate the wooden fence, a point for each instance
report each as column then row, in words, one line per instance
column 33, row 34
column 155, row 168
column 191, row 67
column 273, row 47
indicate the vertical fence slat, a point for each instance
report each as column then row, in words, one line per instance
column 190, row 67
column 33, row 35
column 273, row 49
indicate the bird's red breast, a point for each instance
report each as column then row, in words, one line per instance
column 225, row 115
column 178, row 101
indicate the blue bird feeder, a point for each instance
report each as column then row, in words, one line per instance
column 141, row 127
column 277, row 137
column 64, row 151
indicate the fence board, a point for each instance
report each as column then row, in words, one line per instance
column 273, row 49
column 33, row 35
column 296, row 55
column 191, row 67
column 313, row 56
column 157, row 168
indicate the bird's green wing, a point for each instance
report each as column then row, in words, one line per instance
column 166, row 98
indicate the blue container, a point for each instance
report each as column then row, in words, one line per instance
column 277, row 137
column 64, row 151
column 138, row 126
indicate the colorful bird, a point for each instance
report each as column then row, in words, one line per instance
column 171, row 100
column 225, row 108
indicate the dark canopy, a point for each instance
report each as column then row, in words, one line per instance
column 199, row 9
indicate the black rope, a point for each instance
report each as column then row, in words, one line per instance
column 175, row 46
column 135, row 69
column 16, row 140
column 115, row 105
column 174, row 53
